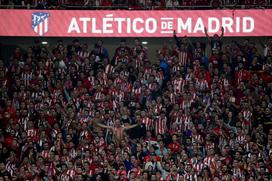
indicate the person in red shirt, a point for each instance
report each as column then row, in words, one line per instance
column 174, row 146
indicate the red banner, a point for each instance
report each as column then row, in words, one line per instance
column 80, row 23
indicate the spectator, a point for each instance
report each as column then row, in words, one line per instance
column 216, row 4
column 172, row 3
column 107, row 3
column 215, row 41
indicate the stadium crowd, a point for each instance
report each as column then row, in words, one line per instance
column 135, row 4
column 73, row 112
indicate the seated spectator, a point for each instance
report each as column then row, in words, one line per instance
column 201, row 3
column 172, row 3
column 107, row 3
column 216, row 4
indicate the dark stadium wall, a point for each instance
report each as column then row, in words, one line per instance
column 110, row 43
column 8, row 44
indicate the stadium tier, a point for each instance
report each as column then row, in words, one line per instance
column 134, row 4
column 135, row 95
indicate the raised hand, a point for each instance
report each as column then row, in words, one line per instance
column 205, row 30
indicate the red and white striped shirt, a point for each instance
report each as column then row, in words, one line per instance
column 26, row 77
column 172, row 98
column 224, row 83
column 121, row 59
column 84, row 119
column 117, row 80
column 189, row 77
column 71, row 173
column 160, row 125
column 178, row 85
column 51, row 170
column 172, row 177
column 72, row 153
column 209, row 145
column 91, row 79
column 188, row 176
column 202, row 85
column 54, row 133
column 85, row 135
column 240, row 139
column 64, row 177
column 23, row 122
column 209, row 161
column 148, row 123
column 83, row 54
column 175, row 68
column 32, row 133
column 186, row 104
column 138, row 62
column 183, row 57
column 196, row 138
column 237, row 173
column 118, row 95
column 11, row 168
column 109, row 69
column 158, row 108
column 178, row 124
column 187, row 122
column 247, row 115
column 137, row 91
column 45, row 153
column 198, row 167
column 127, row 87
